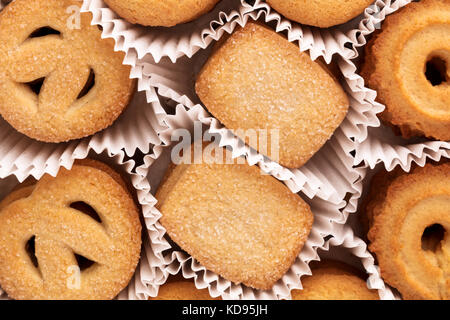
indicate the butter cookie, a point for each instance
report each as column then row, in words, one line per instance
column 262, row 87
column 333, row 280
column 409, row 221
column 243, row 225
column 408, row 63
column 60, row 80
column 76, row 236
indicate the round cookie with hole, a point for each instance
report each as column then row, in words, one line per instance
column 409, row 221
column 76, row 236
column 334, row 280
column 60, row 80
column 408, row 63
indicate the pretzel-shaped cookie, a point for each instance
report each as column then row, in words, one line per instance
column 41, row 39
column 60, row 231
column 410, row 220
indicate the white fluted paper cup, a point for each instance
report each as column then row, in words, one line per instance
column 140, row 286
column 169, row 260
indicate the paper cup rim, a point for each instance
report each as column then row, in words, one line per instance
column 143, row 41
column 137, row 287
column 172, row 262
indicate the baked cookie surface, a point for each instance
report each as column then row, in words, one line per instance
column 258, row 82
column 332, row 280
column 60, row 80
column 165, row 13
column 247, row 227
column 320, row 13
column 409, row 222
column 408, row 64
column 56, row 214
column 182, row 289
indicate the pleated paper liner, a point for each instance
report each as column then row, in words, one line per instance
column 159, row 42
column 422, row 155
column 368, row 22
column 140, row 285
column 375, row 142
column 176, row 82
column 353, row 250
column 339, row 39
column 383, row 149
column 326, row 207
column 344, row 238
column 186, row 39
column 135, row 129
column 3, row 3
column 344, row 246
column 344, row 40
column 152, row 57
column 382, row 144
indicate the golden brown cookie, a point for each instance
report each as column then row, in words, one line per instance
column 60, row 80
column 408, row 64
column 320, row 13
column 332, row 280
column 410, row 219
column 377, row 192
column 178, row 288
column 21, row 191
column 165, row 13
column 57, row 215
column 247, row 227
column 257, row 80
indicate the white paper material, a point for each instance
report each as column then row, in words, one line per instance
column 326, row 180
column 141, row 284
column 153, row 67
column 382, row 145
column 344, row 237
column 135, row 129
column 176, row 82
column 167, row 260
column 186, row 39
column 368, row 171
column 174, row 42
